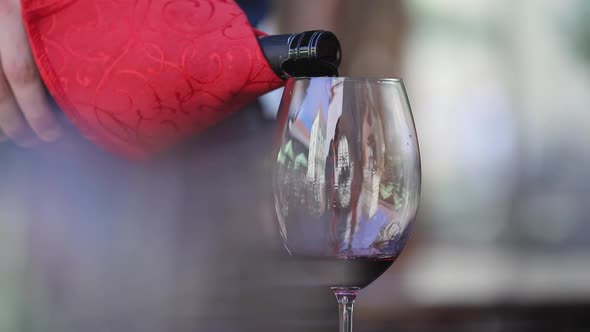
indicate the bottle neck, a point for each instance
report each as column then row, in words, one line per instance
column 307, row 54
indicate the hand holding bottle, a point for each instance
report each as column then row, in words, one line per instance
column 137, row 79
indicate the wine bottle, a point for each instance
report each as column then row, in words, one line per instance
column 125, row 106
column 306, row 54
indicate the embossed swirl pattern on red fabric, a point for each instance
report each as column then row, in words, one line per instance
column 136, row 77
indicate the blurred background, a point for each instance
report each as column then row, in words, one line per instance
column 501, row 97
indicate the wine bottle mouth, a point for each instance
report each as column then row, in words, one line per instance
column 311, row 53
column 317, row 45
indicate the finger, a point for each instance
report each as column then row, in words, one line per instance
column 25, row 81
column 3, row 137
column 30, row 97
column 12, row 123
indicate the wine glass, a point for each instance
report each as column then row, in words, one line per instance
column 346, row 179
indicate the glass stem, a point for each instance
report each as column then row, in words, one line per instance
column 345, row 305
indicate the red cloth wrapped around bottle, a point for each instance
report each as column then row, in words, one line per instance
column 136, row 77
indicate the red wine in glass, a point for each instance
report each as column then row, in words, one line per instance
column 354, row 272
